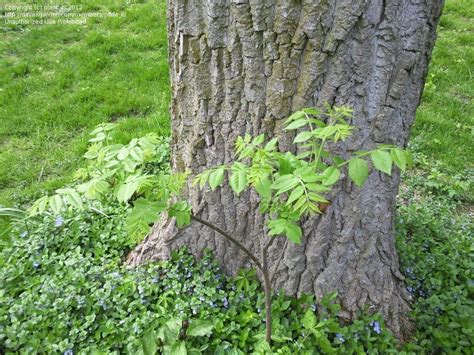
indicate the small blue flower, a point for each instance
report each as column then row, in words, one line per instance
column 340, row 338
column 68, row 352
column 259, row 310
column 376, row 327
column 59, row 221
column 36, row 264
column 194, row 311
column 314, row 307
column 24, row 234
column 226, row 302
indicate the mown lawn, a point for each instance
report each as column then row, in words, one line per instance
column 444, row 125
column 59, row 81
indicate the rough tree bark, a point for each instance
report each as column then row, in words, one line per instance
column 243, row 66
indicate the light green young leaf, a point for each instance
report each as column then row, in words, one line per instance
column 179, row 348
column 382, row 161
column 311, row 111
column 399, row 158
column 284, row 183
column 98, row 138
column 316, row 197
column 331, row 175
column 270, row 146
column 182, row 212
column 310, row 176
column 98, row 129
column 199, row 327
column 137, row 154
column 309, row 319
column 264, row 188
column 129, row 165
column 126, row 191
column 56, row 203
column 284, row 165
column 358, row 171
column 149, row 343
column 93, row 189
column 238, row 178
column 91, row 154
column 123, row 153
column 295, row 194
column 325, row 344
column 302, row 137
column 216, row 178
column 74, row 199
column 302, row 201
column 295, row 116
column 202, row 179
column 39, row 206
column 297, row 124
column 258, row 139
column 293, row 232
column 276, row 226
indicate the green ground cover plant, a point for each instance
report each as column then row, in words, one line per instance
column 67, row 290
column 59, row 82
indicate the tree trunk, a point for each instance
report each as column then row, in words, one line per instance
column 243, row 66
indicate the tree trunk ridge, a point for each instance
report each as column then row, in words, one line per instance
column 244, row 66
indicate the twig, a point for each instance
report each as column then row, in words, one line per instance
column 268, row 294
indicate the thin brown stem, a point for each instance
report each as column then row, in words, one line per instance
column 268, row 295
column 262, row 266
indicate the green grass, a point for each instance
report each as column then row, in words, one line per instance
column 59, row 81
column 444, row 125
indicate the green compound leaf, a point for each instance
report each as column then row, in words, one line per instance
column 399, row 158
column 216, row 178
column 358, row 171
column 302, row 137
column 295, row 194
column 238, row 178
column 294, row 232
column 382, row 161
column 297, row 124
column 331, row 175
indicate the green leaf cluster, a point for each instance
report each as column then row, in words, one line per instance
column 292, row 186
